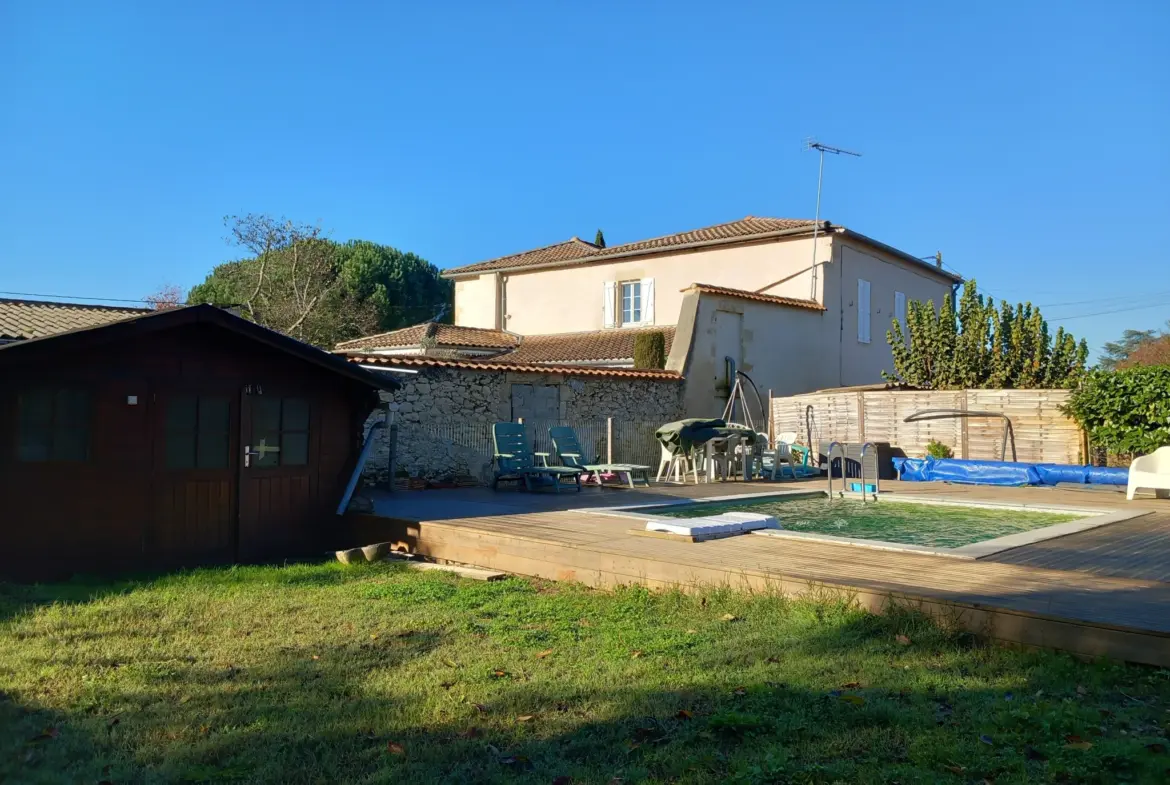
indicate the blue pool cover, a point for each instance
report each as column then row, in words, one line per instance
column 1005, row 473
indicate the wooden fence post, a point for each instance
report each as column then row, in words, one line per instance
column 861, row 418
column 965, row 436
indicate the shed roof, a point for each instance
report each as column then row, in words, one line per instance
column 22, row 320
column 504, row 364
column 152, row 321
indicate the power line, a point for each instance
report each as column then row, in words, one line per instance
column 416, row 307
column 1108, row 299
column 1103, row 313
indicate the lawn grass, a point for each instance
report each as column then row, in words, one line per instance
column 375, row 674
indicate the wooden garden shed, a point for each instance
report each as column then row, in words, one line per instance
column 184, row 437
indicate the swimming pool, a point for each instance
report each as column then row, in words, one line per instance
column 916, row 523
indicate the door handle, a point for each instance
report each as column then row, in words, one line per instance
column 248, row 453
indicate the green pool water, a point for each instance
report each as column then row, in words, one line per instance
column 934, row 525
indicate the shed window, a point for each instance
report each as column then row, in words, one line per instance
column 53, row 425
column 280, row 431
column 197, row 432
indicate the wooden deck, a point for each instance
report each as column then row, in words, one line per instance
column 1101, row 592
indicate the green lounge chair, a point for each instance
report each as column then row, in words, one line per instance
column 569, row 451
column 514, row 460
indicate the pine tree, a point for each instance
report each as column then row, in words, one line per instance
column 599, row 239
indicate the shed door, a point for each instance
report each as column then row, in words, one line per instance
column 192, row 518
column 280, row 512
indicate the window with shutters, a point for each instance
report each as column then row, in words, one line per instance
column 53, row 424
column 631, row 304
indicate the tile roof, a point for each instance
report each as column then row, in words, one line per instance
column 27, row 319
column 576, row 250
column 502, row 364
column 444, row 335
column 744, row 294
column 594, row 346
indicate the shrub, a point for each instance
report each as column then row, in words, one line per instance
column 936, row 449
column 650, row 350
column 1124, row 411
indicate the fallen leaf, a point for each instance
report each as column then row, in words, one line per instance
column 683, row 714
column 772, row 660
column 394, row 748
column 730, row 617
column 902, row 639
column 541, row 655
column 524, row 718
column 447, row 684
column 471, row 733
column 955, row 768
column 498, row 674
column 450, row 663
column 856, row 700
column 483, row 709
column 373, row 637
column 1072, row 738
column 691, row 632
column 986, row 739
column 316, row 657
column 1031, row 753
column 851, row 685
column 739, row 691
column 1157, row 749
column 1079, row 745
column 636, row 653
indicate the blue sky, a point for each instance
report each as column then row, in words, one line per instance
column 1027, row 141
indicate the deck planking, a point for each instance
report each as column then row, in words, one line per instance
column 1104, row 591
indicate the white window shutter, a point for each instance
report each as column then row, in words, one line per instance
column 608, row 302
column 900, row 309
column 647, row 301
column 862, row 310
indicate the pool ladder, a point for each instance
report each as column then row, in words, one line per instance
column 864, row 448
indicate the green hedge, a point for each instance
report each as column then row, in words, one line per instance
column 1124, row 411
column 650, row 350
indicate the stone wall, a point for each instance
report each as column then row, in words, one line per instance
column 444, row 416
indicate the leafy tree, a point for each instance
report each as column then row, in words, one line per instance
column 295, row 280
column 1125, row 412
column 1117, row 352
column 1156, row 352
column 650, row 350
column 977, row 345
column 599, row 239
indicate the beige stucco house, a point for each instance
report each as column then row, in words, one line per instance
column 798, row 306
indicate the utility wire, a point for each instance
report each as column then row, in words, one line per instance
column 1103, row 313
column 418, row 307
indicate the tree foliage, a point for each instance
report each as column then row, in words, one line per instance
column 296, row 280
column 1133, row 349
column 167, row 297
column 599, row 239
column 1125, row 411
column 976, row 344
column 1156, row 352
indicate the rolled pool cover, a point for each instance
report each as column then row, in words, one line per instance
column 1005, row 473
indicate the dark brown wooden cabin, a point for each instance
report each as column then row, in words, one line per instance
column 186, row 437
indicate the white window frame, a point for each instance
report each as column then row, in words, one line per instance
column 636, row 313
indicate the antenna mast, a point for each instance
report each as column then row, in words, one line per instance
column 813, row 144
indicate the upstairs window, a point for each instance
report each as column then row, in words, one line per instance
column 631, row 302
column 53, row 424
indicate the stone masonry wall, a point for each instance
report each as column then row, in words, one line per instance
column 444, row 416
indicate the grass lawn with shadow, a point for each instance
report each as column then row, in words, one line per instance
column 323, row 673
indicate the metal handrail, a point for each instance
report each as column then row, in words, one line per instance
column 877, row 481
column 1009, row 434
column 840, row 447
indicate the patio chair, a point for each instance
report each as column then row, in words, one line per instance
column 1151, row 472
column 677, row 464
column 514, row 460
column 569, row 451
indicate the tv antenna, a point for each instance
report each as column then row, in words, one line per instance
column 812, row 144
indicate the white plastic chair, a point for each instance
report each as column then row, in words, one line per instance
column 1151, row 472
column 676, row 464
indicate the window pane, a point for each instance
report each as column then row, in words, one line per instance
column 213, row 413
column 35, row 423
column 296, row 415
column 212, row 449
column 180, row 449
column 294, row 450
column 267, row 444
column 265, row 414
column 181, row 412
